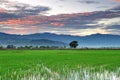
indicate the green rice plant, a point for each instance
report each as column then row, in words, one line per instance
column 60, row 65
column 41, row 72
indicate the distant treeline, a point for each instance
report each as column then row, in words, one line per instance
column 30, row 47
column 12, row 47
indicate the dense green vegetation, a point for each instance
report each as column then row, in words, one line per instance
column 15, row 60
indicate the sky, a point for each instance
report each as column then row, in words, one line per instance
column 69, row 17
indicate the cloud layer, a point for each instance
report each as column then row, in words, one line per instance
column 22, row 18
column 89, row 2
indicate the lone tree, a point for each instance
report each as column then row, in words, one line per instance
column 73, row 44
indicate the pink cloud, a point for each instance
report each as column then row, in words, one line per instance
column 2, row 10
column 19, row 22
column 117, row 0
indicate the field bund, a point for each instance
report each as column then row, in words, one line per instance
column 60, row 65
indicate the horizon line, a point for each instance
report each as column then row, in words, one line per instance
column 56, row 34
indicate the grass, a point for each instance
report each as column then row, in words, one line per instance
column 59, row 64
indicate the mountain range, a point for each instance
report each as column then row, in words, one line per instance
column 50, row 39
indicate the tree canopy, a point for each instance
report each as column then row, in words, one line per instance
column 73, row 44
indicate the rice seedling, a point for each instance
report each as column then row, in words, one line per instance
column 41, row 72
column 60, row 65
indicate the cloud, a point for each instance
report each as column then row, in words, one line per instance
column 89, row 2
column 116, row 0
column 11, row 9
column 115, row 9
column 3, row 1
column 115, row 27
column 112, row 19
column 24, row 9
column 2, row 10
column 6, row 16
column 77, row 22
column 18, row 22
column 25, row 19
column 109, row 22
